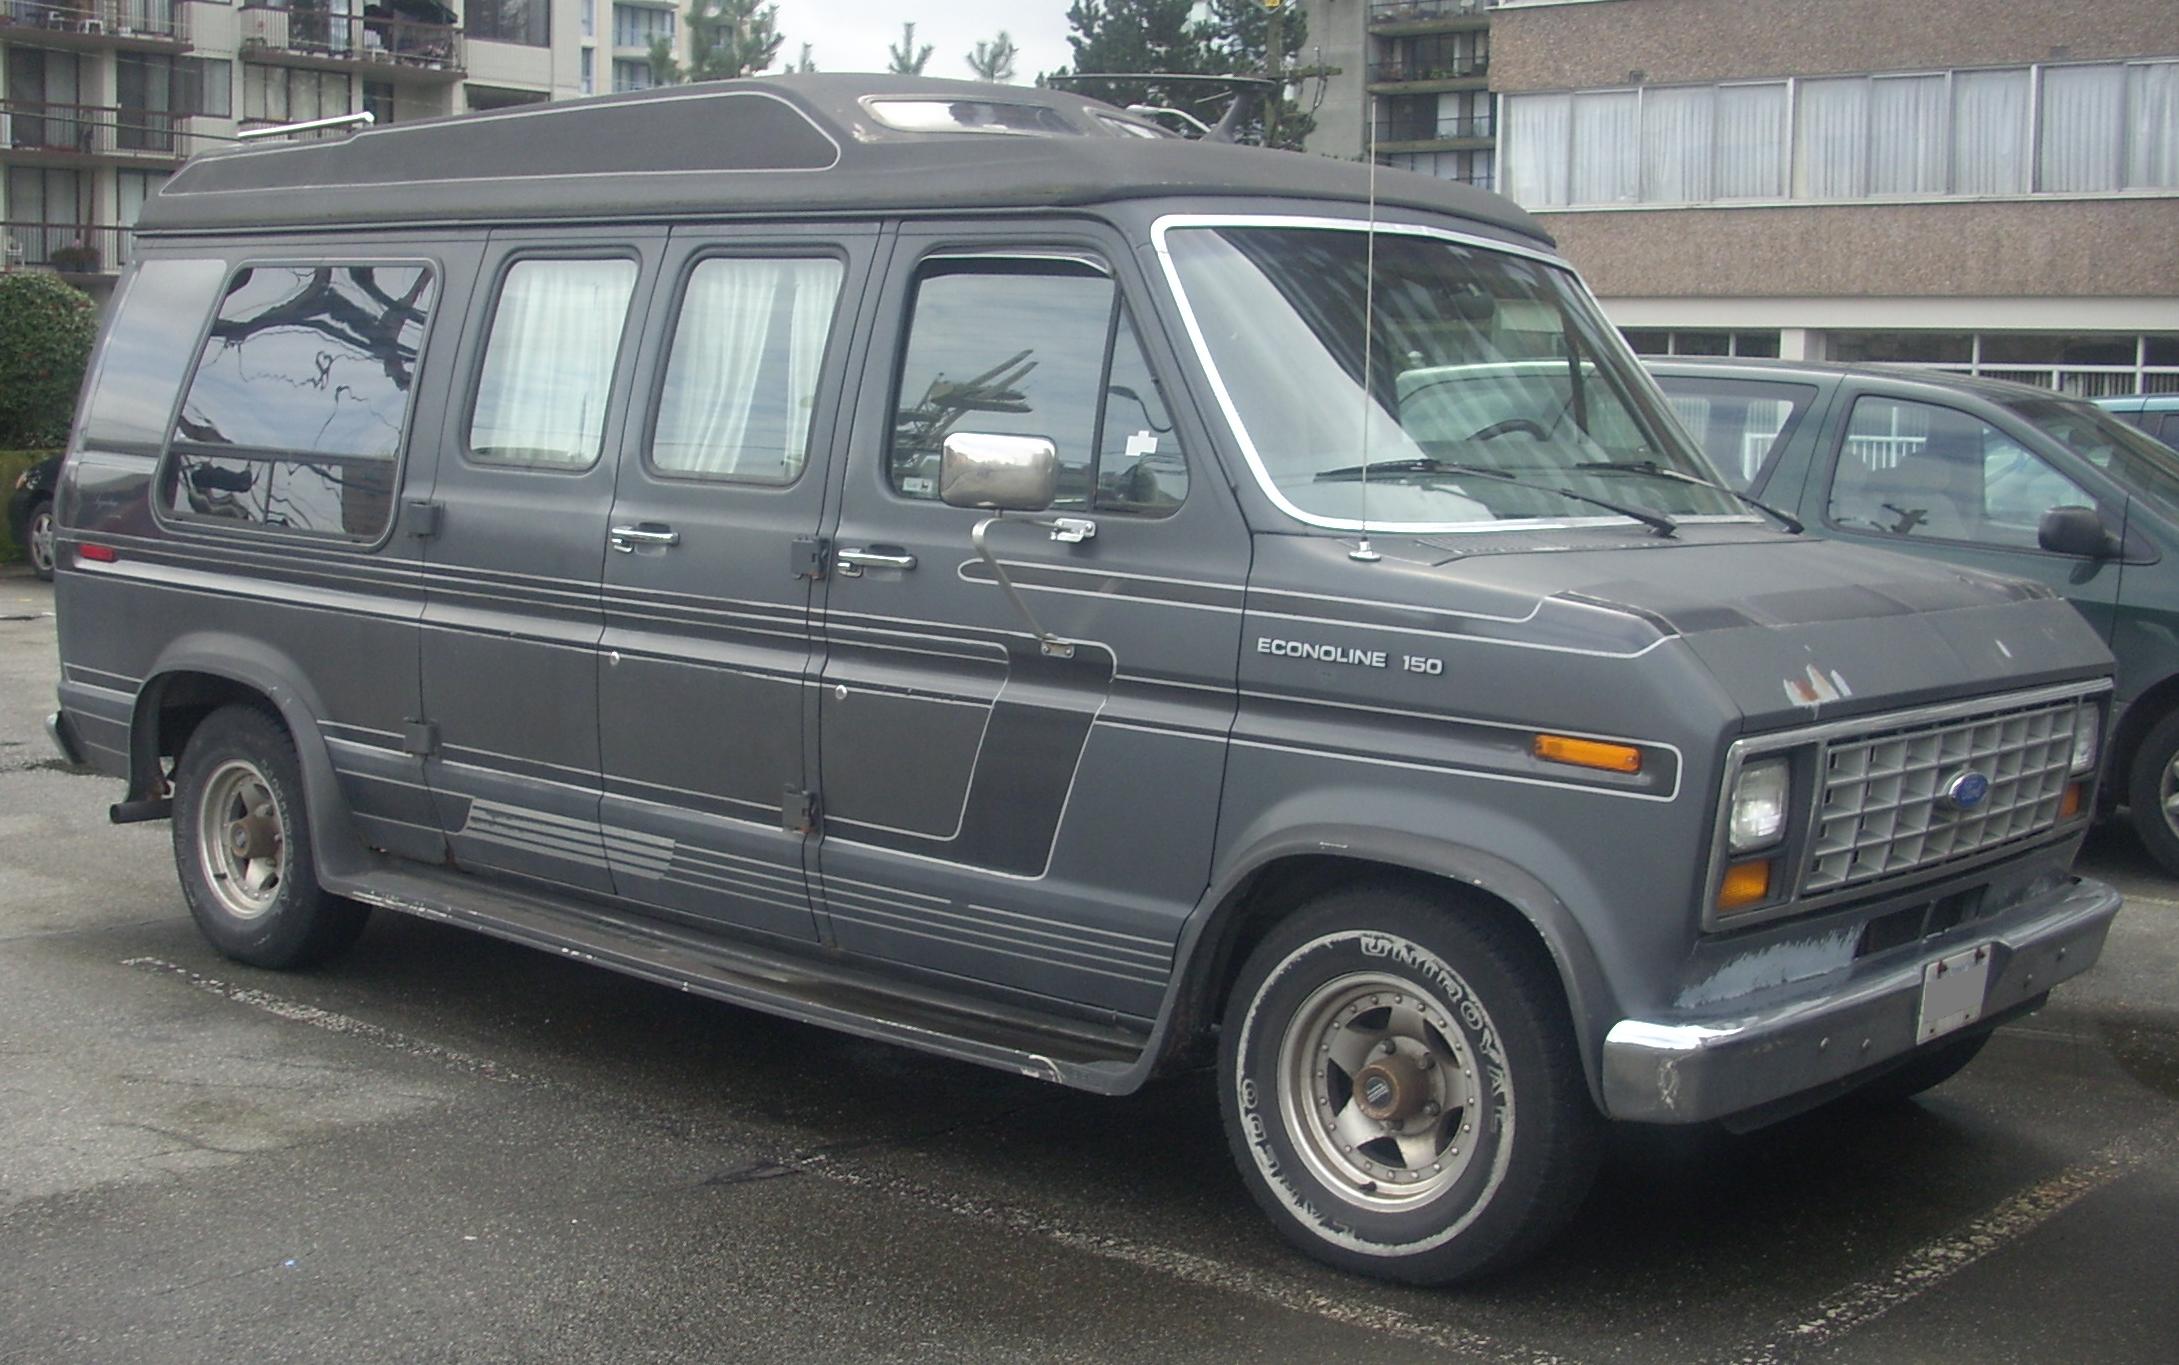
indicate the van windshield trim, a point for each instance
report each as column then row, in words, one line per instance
column 1167, row 224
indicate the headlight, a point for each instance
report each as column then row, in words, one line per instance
column 1759, row 806
column 2087, row 738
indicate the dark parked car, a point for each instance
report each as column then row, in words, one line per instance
column 30, row 513
column 1989, row 475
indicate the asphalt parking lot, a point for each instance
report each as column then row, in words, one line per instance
column 450, row 1148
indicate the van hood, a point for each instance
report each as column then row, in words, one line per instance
column 1792, row 628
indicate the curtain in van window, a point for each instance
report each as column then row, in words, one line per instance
column 741, row 383
column 548, row 368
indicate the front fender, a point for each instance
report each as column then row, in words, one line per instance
column 272, row 674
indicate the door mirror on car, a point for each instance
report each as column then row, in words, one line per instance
column 999, row 473
column 2076, row 531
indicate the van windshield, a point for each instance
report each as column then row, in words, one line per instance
column 2146, row 468
column 1478, row 361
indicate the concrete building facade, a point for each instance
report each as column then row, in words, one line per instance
column 101, row 100
column 1979, row 184
column 1413, row 82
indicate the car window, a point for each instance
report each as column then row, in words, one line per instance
column 548, row 365
column 1034, row 347
column 1741, row 424
column 1928, row 472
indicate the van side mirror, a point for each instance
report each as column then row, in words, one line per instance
column 998, row 473
column 2076, row 531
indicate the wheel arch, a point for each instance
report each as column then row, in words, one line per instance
column 200, row 673
column 2140, row 716
column 1272, row 879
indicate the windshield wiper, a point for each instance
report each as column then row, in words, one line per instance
column 1655, row 521
column 1791, row 523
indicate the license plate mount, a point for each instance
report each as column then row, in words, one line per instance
column 1953, row 988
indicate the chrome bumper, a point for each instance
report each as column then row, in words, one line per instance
column 1689, row 1070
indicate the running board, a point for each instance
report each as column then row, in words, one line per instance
column 799, row 987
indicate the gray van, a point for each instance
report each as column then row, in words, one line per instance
column 952, row 564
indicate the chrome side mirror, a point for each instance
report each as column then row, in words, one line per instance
column 998, row 473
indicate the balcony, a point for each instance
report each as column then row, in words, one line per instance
column 94, row 135
column 1398, row 18
column 1473, row 133
column 1428, row 75
column 128, row 25
column 79, row 251
column 377, row 43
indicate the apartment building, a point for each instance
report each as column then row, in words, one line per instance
column 1412, row 82
column 1987, row 185
column 100, row 100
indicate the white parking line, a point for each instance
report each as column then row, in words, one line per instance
column 1201, row 1271
column 1934, row 1262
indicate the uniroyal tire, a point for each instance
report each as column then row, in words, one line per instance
column 1469, row 1173
column 242, row 846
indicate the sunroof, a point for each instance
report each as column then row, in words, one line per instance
column 969, row 116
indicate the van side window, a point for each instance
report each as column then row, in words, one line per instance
column 148, row 349
column 295, row 416
column 741, row 381
column 548, row 364
column 1936, row 473
column 1019, row 348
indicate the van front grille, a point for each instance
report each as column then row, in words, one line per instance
column 1888, row 804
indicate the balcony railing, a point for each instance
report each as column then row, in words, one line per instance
column 1417, row 11
column 1443, row 69
column 71, row 248
column 323, row 34
column 69, row 130
column 156, row 19
column 1397, row 129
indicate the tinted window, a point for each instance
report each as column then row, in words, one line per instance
column 548, row 365
column 1936, row 473
column 1740, row 423
column 321, row 496
column 147, row 351
column 742, row 380
column 1019, row 349
column 310, row 358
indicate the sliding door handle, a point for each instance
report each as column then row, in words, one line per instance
column 626, row 538
column 853, row 562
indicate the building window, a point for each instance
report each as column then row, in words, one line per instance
column 590, row 71
column 47, row 211
column 279, row 94
column 131, row 189
column 510, row 21
column 590, row 18
column 207, row 86
column 2089, row 364
column 378, row 101
column 1657, row 341
column 629, row 75
column 2052, row 129
column 638, row 26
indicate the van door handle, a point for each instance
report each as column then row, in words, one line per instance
column 626, row 538
column 853, row 562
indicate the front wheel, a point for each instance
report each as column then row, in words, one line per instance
column 242, row 846
column 38, row 533
column 1401, row 1088
column 2152, row 792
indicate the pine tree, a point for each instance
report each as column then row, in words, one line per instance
column 727, row 39
column 803, row 64
column 908, row 60
column 1237, row 38
column 994, row 61
column 1131, row 36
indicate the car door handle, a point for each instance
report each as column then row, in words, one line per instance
column 853, row 562
column 626, row 538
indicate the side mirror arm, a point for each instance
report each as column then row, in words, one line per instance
column 1072, row 530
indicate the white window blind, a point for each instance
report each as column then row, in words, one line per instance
column 2152, row 125
column 1831, row 140
column 1607, row 133
column 1679, row 128
column 1751, row 141
column 1537, row 157
column 2084, row 115
column 1990, row 132
column 1909, row 122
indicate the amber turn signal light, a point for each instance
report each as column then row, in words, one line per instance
column 1589, row 753
column 2069, row 804
column 1745, row 884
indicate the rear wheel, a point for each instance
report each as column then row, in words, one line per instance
column 242, row 846
column 1401, row 1088
column 2152, row 792
column 38, row 537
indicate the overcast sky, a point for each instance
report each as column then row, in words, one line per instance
column 855, row 35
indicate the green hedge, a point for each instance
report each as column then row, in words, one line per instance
column 12, row 463
column 46, row 330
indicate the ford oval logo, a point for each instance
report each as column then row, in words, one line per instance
column 1966, row 791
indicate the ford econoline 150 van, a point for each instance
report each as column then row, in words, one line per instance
column 950, row 563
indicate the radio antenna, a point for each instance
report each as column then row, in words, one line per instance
column 1362, row 551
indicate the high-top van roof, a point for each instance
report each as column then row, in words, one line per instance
column 800, row 144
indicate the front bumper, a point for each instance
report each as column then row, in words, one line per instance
column 1690, row 1070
